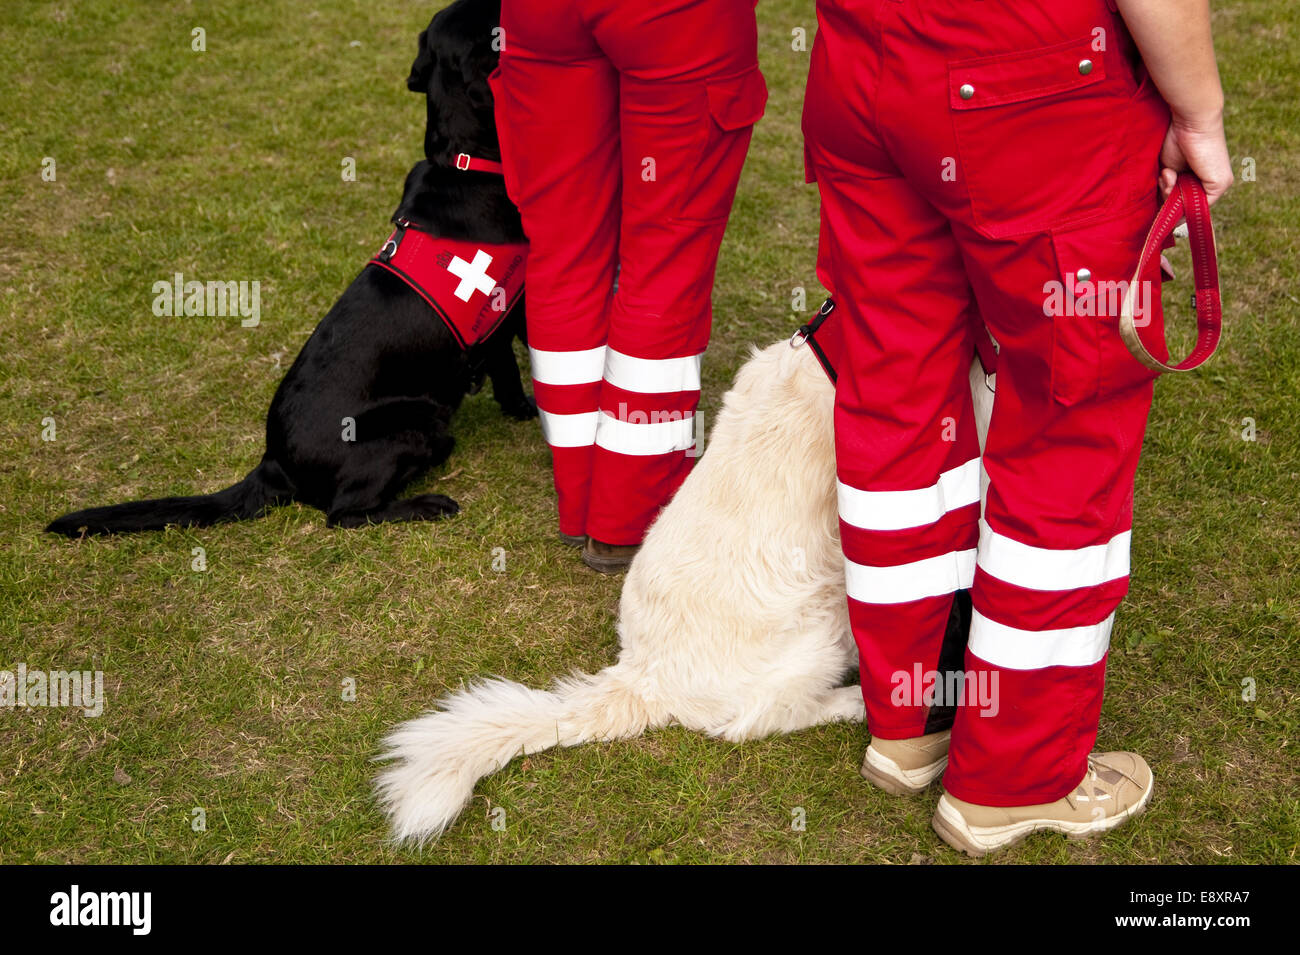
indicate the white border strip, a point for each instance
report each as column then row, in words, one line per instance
column 930, row 577
column 1041, row 568
column 658, row 437
column 1015, row 649
column 569, row 430
column 567, row 367
column 652, row 375
column 896, row 510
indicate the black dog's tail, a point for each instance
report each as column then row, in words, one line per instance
column 265, row 485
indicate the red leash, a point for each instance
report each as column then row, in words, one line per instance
column 1187, row 200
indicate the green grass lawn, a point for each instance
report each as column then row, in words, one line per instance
column 225, row 688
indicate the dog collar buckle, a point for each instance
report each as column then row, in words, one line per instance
column 467, row 163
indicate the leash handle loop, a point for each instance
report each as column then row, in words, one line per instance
column 1187, row 200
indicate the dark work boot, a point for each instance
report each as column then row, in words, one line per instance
column 608, row 558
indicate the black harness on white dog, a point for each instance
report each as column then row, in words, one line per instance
column 806, row 334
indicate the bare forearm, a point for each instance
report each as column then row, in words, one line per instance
column 1174, row 37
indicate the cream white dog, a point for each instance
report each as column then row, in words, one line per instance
column 733, row 619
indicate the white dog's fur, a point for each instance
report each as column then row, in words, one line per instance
column 733, row 619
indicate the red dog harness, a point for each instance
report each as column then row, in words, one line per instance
column 472, row 286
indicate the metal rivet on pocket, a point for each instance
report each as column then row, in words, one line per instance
column 966, row 91
column 1083, row 275
column 1085, row 67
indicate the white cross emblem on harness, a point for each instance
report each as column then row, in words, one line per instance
column 472, row 275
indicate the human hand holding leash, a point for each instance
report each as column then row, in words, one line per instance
column 1201, row 147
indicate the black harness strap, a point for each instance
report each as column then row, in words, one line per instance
column 807, row 334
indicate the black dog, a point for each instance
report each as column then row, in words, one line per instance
column 381, row 357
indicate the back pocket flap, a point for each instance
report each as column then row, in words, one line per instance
column 1015, row 77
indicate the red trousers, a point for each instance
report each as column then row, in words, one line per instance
column 985, row 160
column 623, row 130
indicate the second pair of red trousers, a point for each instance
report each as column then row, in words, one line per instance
column 986, row 163
column 623, row 127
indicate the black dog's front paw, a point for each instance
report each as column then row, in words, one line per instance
column 521, row 410
column 423, row 507
column 432, row 507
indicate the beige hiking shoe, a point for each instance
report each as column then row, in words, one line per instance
column 905, row 766
column 1117, row 786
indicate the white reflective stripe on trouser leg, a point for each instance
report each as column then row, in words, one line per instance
column 567, row 367
column 1015, row 649
column 569, row 430
column 1043, row 568
column 897, row 510
column 658, row 437
column 652, row 376
column 930, row 577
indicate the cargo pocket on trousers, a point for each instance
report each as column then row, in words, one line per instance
column 1095, row 264
column 1037, row 134
column 733, row 104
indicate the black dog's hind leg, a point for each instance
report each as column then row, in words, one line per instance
column 507, row 386
column 396, row 442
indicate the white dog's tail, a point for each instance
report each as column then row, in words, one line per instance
column 476, row 731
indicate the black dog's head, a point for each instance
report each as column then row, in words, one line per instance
column 457, row 52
